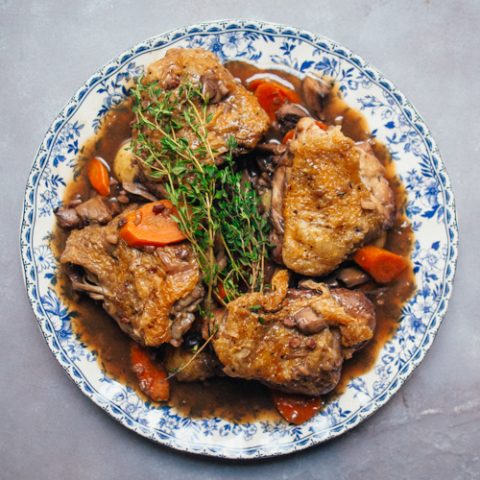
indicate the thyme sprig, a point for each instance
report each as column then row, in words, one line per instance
column 216, row 208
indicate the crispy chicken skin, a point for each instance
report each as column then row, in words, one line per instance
column 151, row 295
column 336, row 198
column 235, row 111
column 293, row 340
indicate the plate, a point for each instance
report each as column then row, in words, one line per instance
column 430, row 208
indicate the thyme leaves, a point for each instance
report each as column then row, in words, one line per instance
column 218, row 212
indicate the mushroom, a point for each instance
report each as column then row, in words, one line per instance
column 289, row 114
column 272, row 148
column 315, row 92
column 308, row 321
column 352, row 277
column 213, row 89
column 138, row 189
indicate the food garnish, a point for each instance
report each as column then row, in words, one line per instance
column 216, row 209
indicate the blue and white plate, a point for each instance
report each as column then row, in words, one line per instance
column 430, row 208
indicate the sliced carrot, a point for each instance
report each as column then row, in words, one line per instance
column 98, row 176
column 294, row 408
column 288, row 136
column 152, row 378
column 321, row 125
column 272, row 96
column 152, row 224
column 382, row 265
column 252, row 86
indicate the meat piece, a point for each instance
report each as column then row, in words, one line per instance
column 179, row 361
column 152, row 295
column 234, row 110
column 336, row 199
column 96, row 210
column 293, row 340
column 78, row 213
column 68, row 217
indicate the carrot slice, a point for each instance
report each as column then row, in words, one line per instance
column 152, row 224
column 98, row 176
column 272, row 96
column 294, row 408
column 382, row 265
column 321, row 125
column 152, row 377
column 252, row 86
column 288, row 136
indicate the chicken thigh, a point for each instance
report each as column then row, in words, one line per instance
column 330, row 198
column 234, row 111
column 293, row 340
column 151, row 294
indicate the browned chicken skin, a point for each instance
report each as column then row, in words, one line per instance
column 335, row 199
column 152, row 295
column 329, row 196
column 293, row 340
column 235, row 111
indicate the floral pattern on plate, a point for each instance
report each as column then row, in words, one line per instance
column 430, row 208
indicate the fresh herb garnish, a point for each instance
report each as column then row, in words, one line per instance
column 217, row 210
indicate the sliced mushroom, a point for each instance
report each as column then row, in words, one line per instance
column 213, row 89
column 352, row 277
column 138, row 189
column 272, row 148
column 315, row 92
column 308, row 321
column 289, row 114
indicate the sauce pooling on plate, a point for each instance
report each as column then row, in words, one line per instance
column 234, row 399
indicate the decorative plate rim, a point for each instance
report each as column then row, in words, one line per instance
column 417, row 122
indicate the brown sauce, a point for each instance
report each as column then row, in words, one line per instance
column 234, row 400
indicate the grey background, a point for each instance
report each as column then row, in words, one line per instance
column 431, row 429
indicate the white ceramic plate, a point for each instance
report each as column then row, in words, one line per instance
column 430, row 209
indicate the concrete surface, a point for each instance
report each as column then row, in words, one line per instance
column 431, row 429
